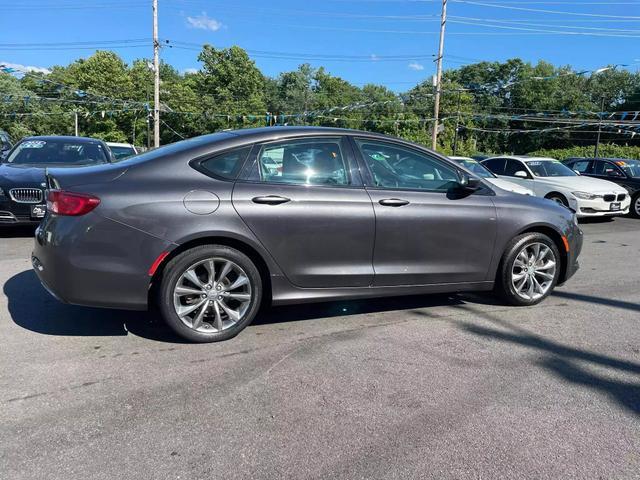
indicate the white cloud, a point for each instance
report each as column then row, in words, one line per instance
column 190, row 70
column 374, row 57
column 204, row 22
column 416, row 66
column 25, row 68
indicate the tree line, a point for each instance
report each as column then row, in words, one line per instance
column 512, row 106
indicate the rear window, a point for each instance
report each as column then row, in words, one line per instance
column 121, row 153
column 226, row 165
column 496, row 165
column 57, row 152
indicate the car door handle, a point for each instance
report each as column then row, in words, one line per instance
column 393, row 202
column 271, row 200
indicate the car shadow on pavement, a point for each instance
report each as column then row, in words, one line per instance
column 33, row 308
column 609, row 302
column 308, row 311
column 562, row 360
column 25, row 231
column 590, row 220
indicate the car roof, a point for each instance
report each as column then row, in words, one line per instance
column 522, row 158
column 610, row 159
column 116, row 144
column 263, row 133
column 64, row 137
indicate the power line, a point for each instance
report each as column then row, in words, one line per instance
column 577, row 27
column 555, row 32
column 537, row 10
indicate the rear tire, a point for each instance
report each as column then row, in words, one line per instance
column 529, row 269
column 209, row 293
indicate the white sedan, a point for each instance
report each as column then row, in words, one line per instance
column 483, row 172
column 547, row 177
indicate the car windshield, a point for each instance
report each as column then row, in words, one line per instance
column 550, row 168
column 57, row 152
column 630, row 167
column 475, row 167
column 122, row 152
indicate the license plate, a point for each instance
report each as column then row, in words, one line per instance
column 38, row 211
column 614, row 207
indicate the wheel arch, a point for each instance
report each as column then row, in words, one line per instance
column 241, row 245
column 556, row 237
column 555, row 193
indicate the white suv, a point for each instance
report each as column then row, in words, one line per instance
column 547, row 177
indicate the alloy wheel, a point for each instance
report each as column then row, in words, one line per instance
column 533, row 271
column 212, row 295
column 636, row 206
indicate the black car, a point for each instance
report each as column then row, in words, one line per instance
column 623, row 171
column 5, row 144
column 22, row 172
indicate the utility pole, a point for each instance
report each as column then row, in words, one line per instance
column 436, row 100
column 75, row 122
column 455, row 137
column 597, row 147
column 156, row 79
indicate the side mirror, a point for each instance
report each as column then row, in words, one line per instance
column 469, row 183
column 521, row 174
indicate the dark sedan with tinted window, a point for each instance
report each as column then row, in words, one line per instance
column 623, row 171
column 208, row 228
column 22, row 172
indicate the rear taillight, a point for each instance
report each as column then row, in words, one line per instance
column 60, row 202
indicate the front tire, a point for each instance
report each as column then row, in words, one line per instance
column 529, row 269
column 635, row 205
column 209, row 293
column 559, row 199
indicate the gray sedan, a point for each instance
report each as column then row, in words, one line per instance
column 209, row 229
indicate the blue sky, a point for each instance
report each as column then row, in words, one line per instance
column 366, row 29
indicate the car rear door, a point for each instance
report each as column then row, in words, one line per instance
column 583, row 167
column 306, row 203
column 425, row 233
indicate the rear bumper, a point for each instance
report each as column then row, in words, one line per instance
column 94, row 261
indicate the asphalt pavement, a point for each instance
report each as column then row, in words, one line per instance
column 433, row 387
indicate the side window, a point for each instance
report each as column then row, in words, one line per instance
column 607, row 169
column 513, row 166
column 226, row 165
column 303, row 162
column 395, row 166
column 581, row 166
column 496, row 165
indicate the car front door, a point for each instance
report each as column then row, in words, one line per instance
column 607, row 170
column 306, row 203
column 426, row 231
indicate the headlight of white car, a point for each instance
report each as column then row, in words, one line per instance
column 585, row 195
